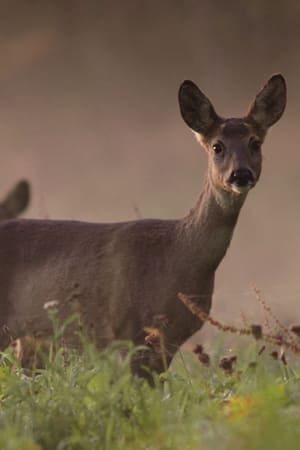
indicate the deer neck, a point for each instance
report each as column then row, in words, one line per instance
column 209, row 226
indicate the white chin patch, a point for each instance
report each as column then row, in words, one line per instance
column 240, row 189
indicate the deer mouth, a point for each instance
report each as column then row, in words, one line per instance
column 241, row 180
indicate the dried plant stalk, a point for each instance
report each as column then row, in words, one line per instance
column 273, row 339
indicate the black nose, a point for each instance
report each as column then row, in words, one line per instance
column 241, row 177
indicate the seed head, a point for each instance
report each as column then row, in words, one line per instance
column 256, row 331
column 296, row 330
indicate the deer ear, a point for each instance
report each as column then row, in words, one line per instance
column 196, row 110
column 269, row 104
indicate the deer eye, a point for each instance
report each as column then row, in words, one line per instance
column 255, row 146
column 218, row 148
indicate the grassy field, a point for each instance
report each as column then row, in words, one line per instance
column 249, row 401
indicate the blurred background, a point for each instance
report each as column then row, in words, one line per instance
column 89, row 114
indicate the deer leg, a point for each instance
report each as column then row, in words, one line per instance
column 5, row 338
column 144, row 363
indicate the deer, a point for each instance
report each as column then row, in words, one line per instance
column 12, row 206
column 16, row 201
column 122, row 277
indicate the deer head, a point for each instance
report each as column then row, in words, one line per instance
column 233, row 145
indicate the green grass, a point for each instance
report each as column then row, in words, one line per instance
column 92, row 402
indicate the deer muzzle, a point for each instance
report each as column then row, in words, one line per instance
column 241, row 178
